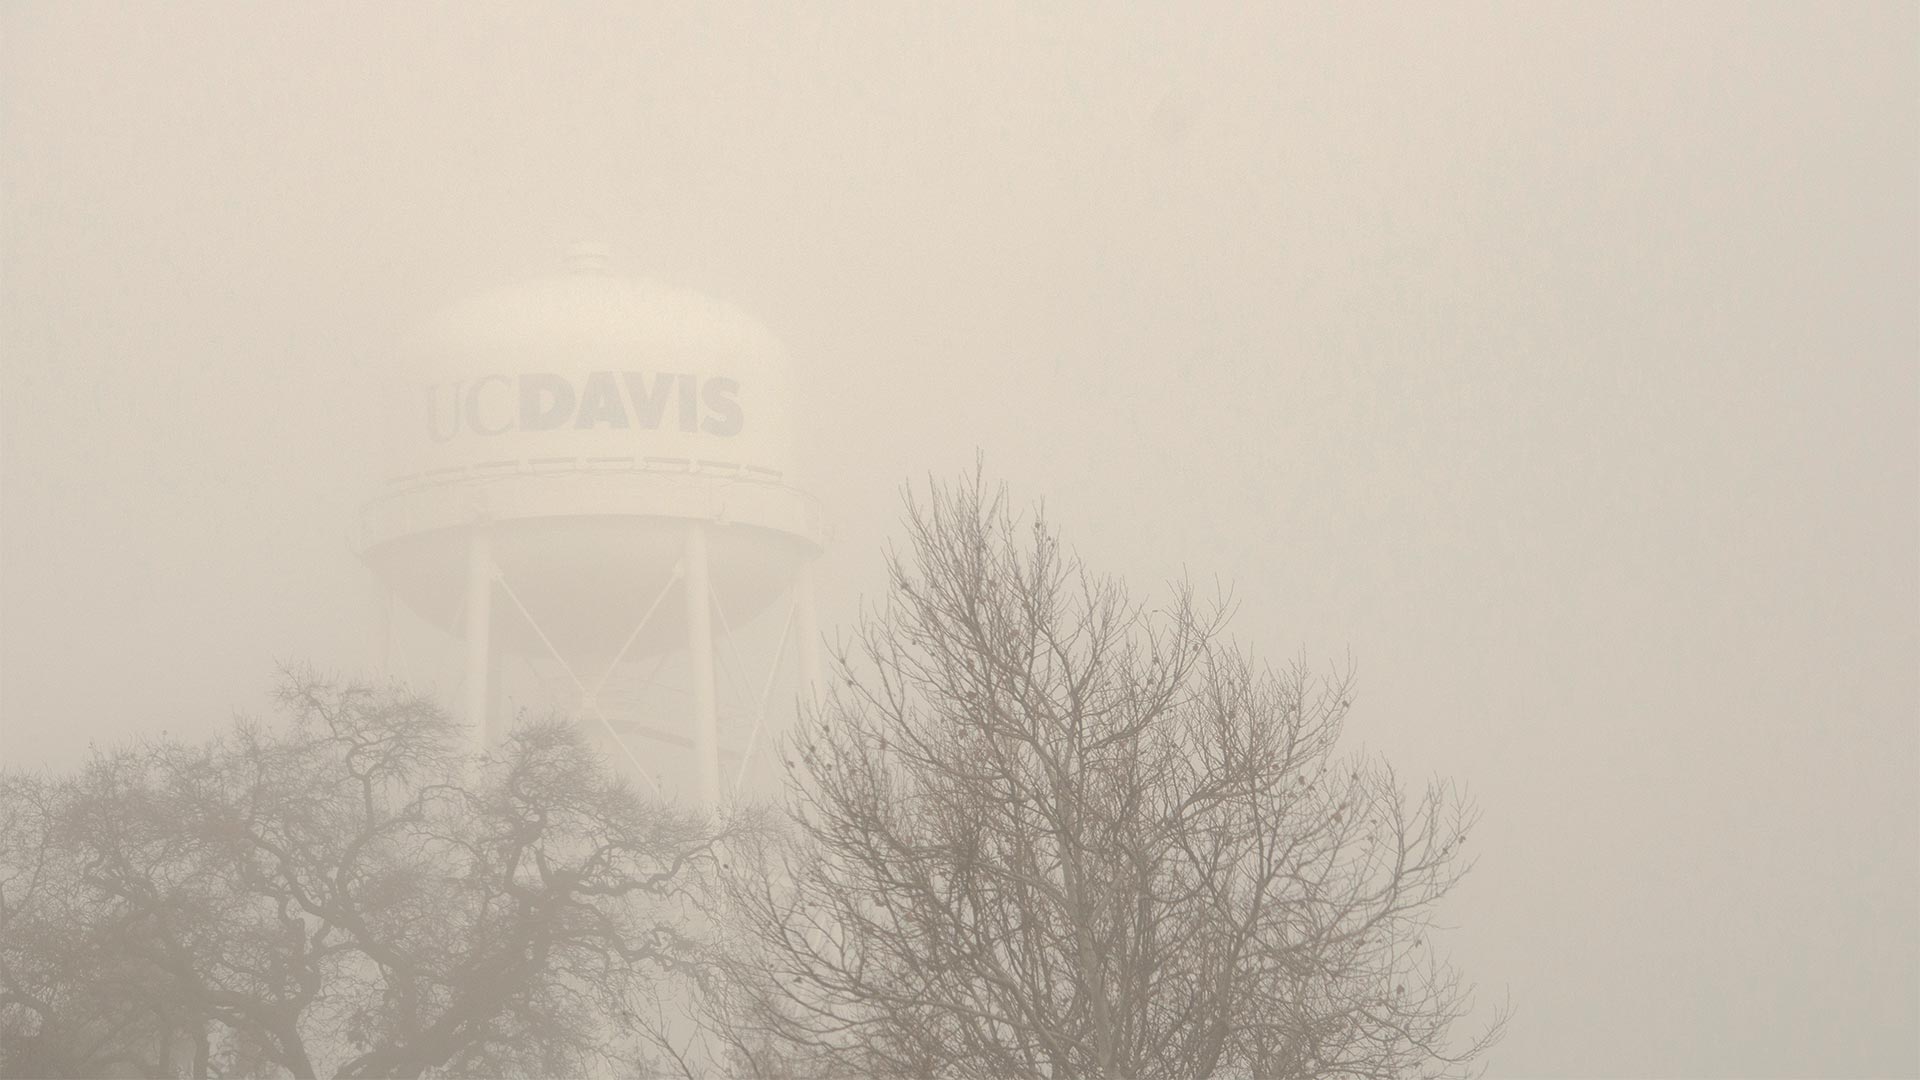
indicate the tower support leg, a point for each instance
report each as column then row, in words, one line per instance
column 807, row 627
column 383, row 644
column 479, row 625
column 706, row 720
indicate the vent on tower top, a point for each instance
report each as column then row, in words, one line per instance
column 587, row 257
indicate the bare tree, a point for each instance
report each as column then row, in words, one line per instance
column 51, row 1023
column 1041, row 829
column 348, row 895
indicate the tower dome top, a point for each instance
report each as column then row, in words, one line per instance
column 593, row 312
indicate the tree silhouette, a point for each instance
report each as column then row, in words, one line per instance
column 347, row 894
column 1038, row 828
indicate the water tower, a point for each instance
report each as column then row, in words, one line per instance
column 592, row 476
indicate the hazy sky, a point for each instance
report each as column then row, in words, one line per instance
column 1561, row 363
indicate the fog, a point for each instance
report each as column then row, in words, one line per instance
column 1557, row 364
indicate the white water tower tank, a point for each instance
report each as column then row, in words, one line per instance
column 589, row 471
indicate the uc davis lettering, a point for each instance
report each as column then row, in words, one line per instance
column 543, row 401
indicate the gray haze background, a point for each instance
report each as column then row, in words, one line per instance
column 1558, row 361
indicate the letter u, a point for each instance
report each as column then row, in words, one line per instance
column 435, row 429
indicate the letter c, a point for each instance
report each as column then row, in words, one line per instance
column 473, row 407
